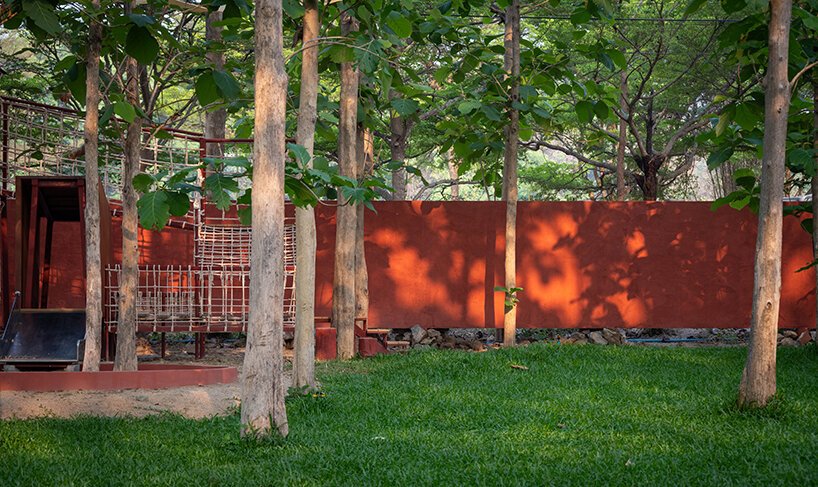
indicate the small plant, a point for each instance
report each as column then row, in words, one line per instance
column 511, row 296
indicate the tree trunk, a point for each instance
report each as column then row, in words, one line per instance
column 365, row 151
column 512, row 66
column 305, row 239
column 93, row 263
column 215, row 120
column 758, row 380
column 452, row 165
column 129, row 280
column 397, row 146
column 343, row 286
column 814, row 188
column 262, row 388
column 621, row 193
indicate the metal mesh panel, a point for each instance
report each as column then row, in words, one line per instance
column 187, row 299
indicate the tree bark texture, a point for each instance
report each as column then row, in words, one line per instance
column 623, row 138
column 399, row 129
column 215, row 120
column 758, row 383
column 263, row 411
column 814, row 185
column 129, row 277
column 305, row 237
column 451, row 163
column 512, row 66
column 343, row 285
column 93, row 261
column 365, row 150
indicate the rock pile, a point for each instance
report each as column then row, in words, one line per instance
column 793, row 338
column 478, row 340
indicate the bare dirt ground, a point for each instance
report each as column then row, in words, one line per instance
column 191, row 402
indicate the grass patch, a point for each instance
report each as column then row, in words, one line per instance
column 579, row 415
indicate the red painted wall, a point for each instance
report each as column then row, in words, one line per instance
column 582, row 264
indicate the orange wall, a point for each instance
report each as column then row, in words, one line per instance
column 581, row 264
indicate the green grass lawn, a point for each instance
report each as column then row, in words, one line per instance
column 582, row 415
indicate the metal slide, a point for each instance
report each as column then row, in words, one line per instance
column 43, row 338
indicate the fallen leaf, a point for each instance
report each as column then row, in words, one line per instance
column 519, row 367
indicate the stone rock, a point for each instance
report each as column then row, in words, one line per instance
column 779, row 336
column 597, row 338
column 418, row 333
column 568, row 340
column 421, row 346
column 426, row 341
column 477, row 345
column 790, row 334
column 788, row 342
column 804, row 338
column 612, row 336
column 432, row 333
column 581, row 341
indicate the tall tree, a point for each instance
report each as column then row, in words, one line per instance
column 304, row 363
column 365, row 156
column 93, row 264
column 621, row 193
column 262, row 388
column 343, row 285
column 511, row 64
column 758, row 383
column 129, row 278
column 814, row 186
column 215, row 120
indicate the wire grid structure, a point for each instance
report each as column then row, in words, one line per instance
column 212, row 295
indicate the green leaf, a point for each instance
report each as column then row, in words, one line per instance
column 468, row 106
column 299, row 153
column 694, row 7
column 799, row 159
column 401, row 26
column 153, row 209
column 142, row 182
column 747, row 116
column 718, row 157
column 227, row 85
column 601, row 110
column 404, row 106
column 724, row 120
column 341, row 54
column 245, row 214
column 293, row 8
column 140, row 45
column 219, row 187
column 580, row 16
column 43, row 15
column 585, row 111
column 491, row 113
column 125, row 111
column 618, row 58
column 206, row 90
column 141, row 20
column 178, row 203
